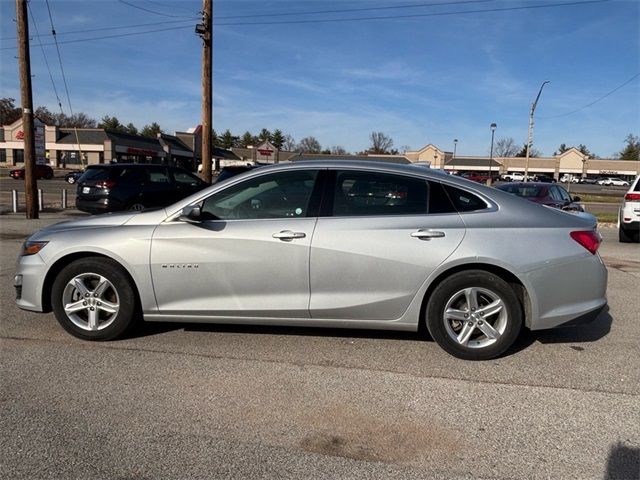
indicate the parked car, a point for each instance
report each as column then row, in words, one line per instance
column 545, row 194
column 72, row 177
column 232, row 171
column 513, row 177
column 588, row 180
column 544, row 179
column 569, row 178
column 42, row 171
column 291, row 245
column 629, row 214
column 122, row 186
column 479, row 177
column 618, row 182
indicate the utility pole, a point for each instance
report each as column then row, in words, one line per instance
column 530, row 134
column 26, row 98
column 205, row 30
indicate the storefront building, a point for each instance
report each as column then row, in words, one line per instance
column 78, row 147
column 572, row 162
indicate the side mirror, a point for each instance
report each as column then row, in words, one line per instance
column 576, row 199
column 190, row 213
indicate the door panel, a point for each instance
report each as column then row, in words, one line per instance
column 248, row 256
column 371, row 268
column 232, row 268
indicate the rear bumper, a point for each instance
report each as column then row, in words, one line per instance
column 561, row 302
column 99, row 205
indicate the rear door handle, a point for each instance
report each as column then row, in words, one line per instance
column 288, row 235
column 427, row 234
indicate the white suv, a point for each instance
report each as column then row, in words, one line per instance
column 629, row 215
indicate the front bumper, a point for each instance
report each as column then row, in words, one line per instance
column 31, row 270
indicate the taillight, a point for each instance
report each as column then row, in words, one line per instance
column 105, row 184
column 589, row 239
column 632, row 197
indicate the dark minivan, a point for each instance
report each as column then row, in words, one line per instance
column 133, row 186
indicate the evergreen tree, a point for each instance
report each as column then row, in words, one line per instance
column 248, row 140
column 264, row 135
column 151, row 131
column 227, row 140
column 632, row 149
column 112, row 124
column 277, row 138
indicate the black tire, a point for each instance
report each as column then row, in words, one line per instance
column 626, row 236
column 504, row 324
column 109, row 322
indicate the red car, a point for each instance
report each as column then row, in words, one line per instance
column 479, row 177
column 42, row 171
column 544, row 193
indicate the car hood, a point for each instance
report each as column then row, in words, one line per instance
column 105, row 220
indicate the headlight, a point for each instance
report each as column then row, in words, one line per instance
column 31, row 248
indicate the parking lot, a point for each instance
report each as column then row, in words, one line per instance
column 207, row 401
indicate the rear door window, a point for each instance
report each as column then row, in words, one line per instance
column 159, row 175
column 98, row 173
column 373, row 193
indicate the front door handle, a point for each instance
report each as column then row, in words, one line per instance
column 427, row 234
column 288, row 235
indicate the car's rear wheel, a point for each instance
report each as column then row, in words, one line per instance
column 94, row 299
column 474, row 315
column 626, row 236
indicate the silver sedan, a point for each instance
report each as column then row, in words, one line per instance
column 325, row 244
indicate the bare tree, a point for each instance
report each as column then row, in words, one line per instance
column 288, row 144
column 505, row 147
column 338, row 150
column 309, row 145
column 380, row 143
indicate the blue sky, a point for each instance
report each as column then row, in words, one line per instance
column 425, row 79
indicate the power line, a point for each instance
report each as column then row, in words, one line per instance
column 151, row 11
column 353, row 19
column 46, row 62
column 595, row 101
column 350, row 10
column 115, row 27
column 416, row 15
column 106, row 37
column 64, row 78
column 169, row 5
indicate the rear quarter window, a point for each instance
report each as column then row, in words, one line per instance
column 99, row 173
column 465, row 201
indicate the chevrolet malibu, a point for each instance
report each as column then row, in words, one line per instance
column 325, row 244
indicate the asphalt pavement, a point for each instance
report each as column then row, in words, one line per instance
column 206, row 401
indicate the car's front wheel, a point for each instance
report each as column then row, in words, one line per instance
column 93, row 299
column 474, row 315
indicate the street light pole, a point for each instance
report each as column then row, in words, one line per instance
column 493, row 131
column 530, row 134
column 453, row 159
